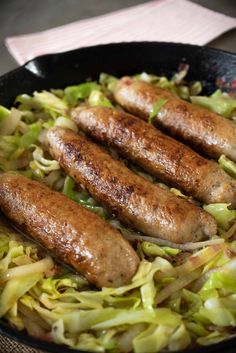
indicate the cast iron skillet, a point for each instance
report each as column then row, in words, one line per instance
column 60, row 70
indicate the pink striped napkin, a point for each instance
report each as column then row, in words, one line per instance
column 160, row 20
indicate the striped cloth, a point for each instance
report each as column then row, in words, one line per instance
column 160, row 20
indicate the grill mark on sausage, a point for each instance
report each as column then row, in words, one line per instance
column 167, row 159
column 75, row 235
column 135, row 201
column 201, row 129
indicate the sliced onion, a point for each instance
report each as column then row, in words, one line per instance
column 194, row 261
column 175, row 286
column 33, row 315
column 9, row 124
column 230, row 232
column 125, row 340
column 185, row 247
column 29, row 269
column 22, row 127
column 202, row 279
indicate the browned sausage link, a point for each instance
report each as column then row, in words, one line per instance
column 75, row 235
column 208, row 132
column 136, row 201
column 161, row 155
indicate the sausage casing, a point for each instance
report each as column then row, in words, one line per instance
column 75, row 235
column 162, row 156
column 206, row 131
column 134, row 200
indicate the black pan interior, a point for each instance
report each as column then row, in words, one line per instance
column 60, row 70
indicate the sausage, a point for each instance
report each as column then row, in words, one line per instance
column 205, row 131
column 162, row 156
column 134, row 200
column 75, row 235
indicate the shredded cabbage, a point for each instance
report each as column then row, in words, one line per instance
column 176, row 84
column 9, row 120
column 75, row 93
column 97, row 98
column 228, row 165
column 219, row 102
column 221, row 213
column 127, row 316
column 155, row 109
column 65, row 122
column 4, row 113
column 181, row 295
column 151, row 249
column 82, row 198
column 51, row 103
column 108, row 81
column 40, row 164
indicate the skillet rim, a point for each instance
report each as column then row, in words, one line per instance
column 39, row 58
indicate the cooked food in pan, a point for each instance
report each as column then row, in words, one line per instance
column 146, row 224
column 132, row 199
column 160, row 155
column 91, row 246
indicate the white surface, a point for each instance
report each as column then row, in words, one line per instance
column 160, row 20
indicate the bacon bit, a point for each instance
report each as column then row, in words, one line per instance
column 194, row 260
column 181, row 257
column 232, row 94
column 229, row 253
column 127, row 80
column 233, row 84
column 45, row 337
column 217, row 247
column 56, row 270
column 182, row 72
column 183, row 67
column 220, row 82
column 222, row 329
column 168, row 258
column 230, row 87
